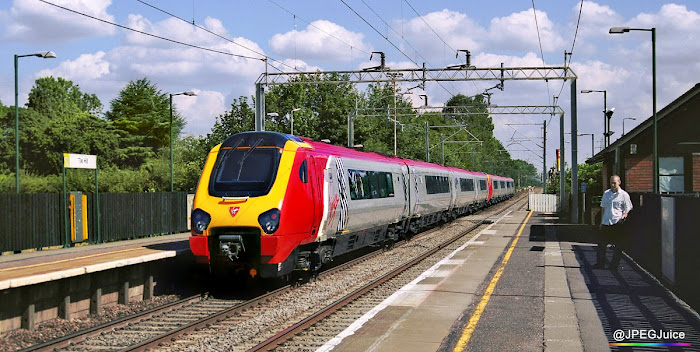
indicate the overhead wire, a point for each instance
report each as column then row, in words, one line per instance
column 571, row 53
column 437, row 35
column 539, row 39
column 318, row 28
column 387, row 39
column 398, row 34
column 218, row 35
column 151, row 34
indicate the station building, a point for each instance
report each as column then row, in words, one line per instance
column 663, row 230
column 678, row 130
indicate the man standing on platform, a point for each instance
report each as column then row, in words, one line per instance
column 616, row 205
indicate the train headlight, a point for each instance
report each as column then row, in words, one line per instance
column 200, row 220
column 270, row 220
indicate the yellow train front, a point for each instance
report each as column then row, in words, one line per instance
column 253, row 206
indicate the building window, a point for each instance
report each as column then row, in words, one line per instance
column 671, row 179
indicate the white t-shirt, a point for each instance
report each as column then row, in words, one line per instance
column 614, row 205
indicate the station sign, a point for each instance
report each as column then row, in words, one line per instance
column 79, row 161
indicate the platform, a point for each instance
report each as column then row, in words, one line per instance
column 29, row 268
column 508, row 289
column 72, row 282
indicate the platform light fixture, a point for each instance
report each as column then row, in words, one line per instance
column 172, row 175
column 621, row 30
column 606, row 125
column 291, row 119
column 43, row 55
column 623, row 123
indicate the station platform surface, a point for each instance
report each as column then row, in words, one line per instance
column 507, row 290
column 28, row 268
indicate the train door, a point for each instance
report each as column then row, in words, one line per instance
column 406, row 183
column 454, row 189
column 316, row 181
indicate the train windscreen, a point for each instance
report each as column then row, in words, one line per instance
column 247, row 171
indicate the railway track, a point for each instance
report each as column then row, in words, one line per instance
column 312, row 332
column 176, row 325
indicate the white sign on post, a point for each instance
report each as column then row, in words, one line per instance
column 79, row 161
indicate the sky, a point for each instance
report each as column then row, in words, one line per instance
column 232, row 37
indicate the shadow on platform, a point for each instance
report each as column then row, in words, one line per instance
column 629, row 299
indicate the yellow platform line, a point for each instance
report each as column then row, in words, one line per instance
column 469, row 330
column 70, row 259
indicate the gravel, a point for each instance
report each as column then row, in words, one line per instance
column 55, row 328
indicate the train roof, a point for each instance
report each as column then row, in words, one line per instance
column 348, row 152
column 278, row 139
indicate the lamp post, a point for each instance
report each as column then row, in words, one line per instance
column 623, row 123
column 172, row 177
column 592, row 141
column 269, row 114
column 272, row 114
column 606, row 117
column 620, row 30
column 291, row 119
column 41, row 54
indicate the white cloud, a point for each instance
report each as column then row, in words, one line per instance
column 455, row 28
column 33, row 21
column 318, row 42
column 85, row 68
column 200, row 111
column 518, row 31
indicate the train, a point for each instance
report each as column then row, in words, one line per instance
column 270, row 204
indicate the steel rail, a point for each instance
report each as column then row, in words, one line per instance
column 288, row 333
column 80, row 336
column 158, row 341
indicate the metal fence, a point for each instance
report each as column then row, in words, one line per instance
column 36, row 220
column 663, row 235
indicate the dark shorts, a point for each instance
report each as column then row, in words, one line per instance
column 612, row 234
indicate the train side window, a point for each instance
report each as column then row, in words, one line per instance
column 482, row 185
column 303, row 172
column 366, row 190
column 374, row 185
column 352, row 185
column 503, row 184
column 470, row 185
column 495, row 184
column 389, row 184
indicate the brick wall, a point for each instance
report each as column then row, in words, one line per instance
column 639, row 173
column 606, row 176
column 696, row 172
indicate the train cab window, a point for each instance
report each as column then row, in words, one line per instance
column 482, row 185
column 303, row 172
column 248, row 171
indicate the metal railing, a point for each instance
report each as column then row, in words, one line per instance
column 36, row 220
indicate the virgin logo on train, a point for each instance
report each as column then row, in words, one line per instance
column 233, row 210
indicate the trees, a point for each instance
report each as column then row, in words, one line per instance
column 60, row 118
column 59, row 97
column 141, row 116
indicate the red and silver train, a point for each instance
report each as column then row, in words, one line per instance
column 271, row 203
